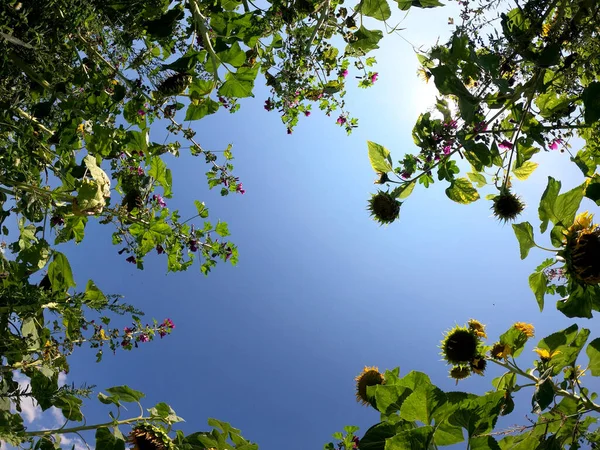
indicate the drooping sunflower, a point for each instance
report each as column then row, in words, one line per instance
column 477, row 327
column 460, row 345
column 370, row 376
column 384, row 207
column 460, row 372
column 146, row 436
column 581, row 250
column 174, row 85
column 507, row 206
column 500, row 351
column 525, row 328
column 478, row 364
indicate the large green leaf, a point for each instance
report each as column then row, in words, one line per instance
column 105, row 440
column 421, row 404
column 125, row 393
column 559, row 209
column 60, row 273
column 363, row 41
column 566, row 344
column 526, row 169
column 524, row 233
column 378, row 9
column 379, row 156
column 462, row 191
column 419, row 438
column 591, row 102
column 405, row 5
column 538, row 283
column 593, row 352
column 201, row 108
column 239, row 84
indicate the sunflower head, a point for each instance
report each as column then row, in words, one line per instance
column 370, row 376
column 582, row 247
column 546, row 355
column 460, row 346
column 174, row 85
column 477, row 327
column 145, row 436
column 384, row 207
column 500, row 351
column 525, row 328
column 507, row 206
column 478, row 364
column 460, row 372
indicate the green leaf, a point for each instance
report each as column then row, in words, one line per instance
column 593, row 353
column 60, row 273
column 93, row 296
column 591, row 102
column 523, row 172
column 239, row 84
column 105, row 440
column 222, row 229
column 405, row 5
column 592, row 189
column 202, row 209
column 363, row 41
column 446, row 434
column 404, row 190
column 376, row 436
column 379, row 156
column 389, row 398
column 165, row 412
column 582, row 300
column 462, row 191
column 477, row 178
column 125, row 393
column 543, row 396
column 419, row 438
column 524, row 233
column 559, row 209
column 201, row 108
column 538, row 283
column 567, row 344
column 484, row 443
column 234, row 56
column 515, row 339
column 422, row 403
column 378, row 9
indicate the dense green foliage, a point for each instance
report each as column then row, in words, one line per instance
column 88, row 86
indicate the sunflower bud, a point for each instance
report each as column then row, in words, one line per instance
column 460, row 346
column 384, row 207
column 174, row 85
column 507, row 206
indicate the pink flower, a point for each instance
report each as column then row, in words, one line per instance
column 168, row 323
column 505, row 145
column 374, row 77
column 159, row 249
column 341, row 120
column 144, row 337
column 554, row 144
column 128, row 330
column 141, row 112
column 289, row 131
column 447, row 150
column 269, row 105
column 239, row 188
column 345, row 73
column 158, row 199
column 307, row 113
column 480, row 126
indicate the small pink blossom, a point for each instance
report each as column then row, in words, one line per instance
column 141, row 112
column 345, row 73
column 554, row 144
column 158, row 199
column 239, row 188
column 447, row 150
column 341, row 120
column 307, row 113
column 505, row 145
column 374, row 77
column 144, row 337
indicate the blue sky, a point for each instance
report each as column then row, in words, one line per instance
column 273, row 345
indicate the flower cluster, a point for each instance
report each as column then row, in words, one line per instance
column 463, row 349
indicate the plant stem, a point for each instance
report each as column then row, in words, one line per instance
column 83, row 427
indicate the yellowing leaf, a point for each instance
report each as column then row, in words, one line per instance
column 523, row 172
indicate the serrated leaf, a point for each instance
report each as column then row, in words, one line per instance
column 379, row 156
column 125, row 393
column 419, row 438
column 526, row 169
column 462, row 191
column 524, row 233
column 593, row 353
column 378, row 9
column 538, row 283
